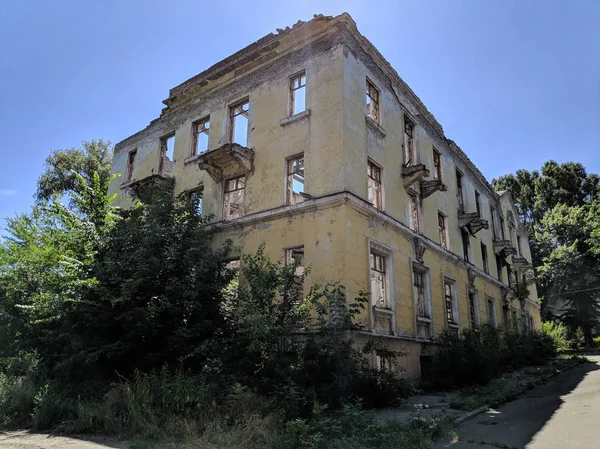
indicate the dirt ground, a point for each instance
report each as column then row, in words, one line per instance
column 23, row 439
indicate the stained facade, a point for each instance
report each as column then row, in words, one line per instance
column 309, row 141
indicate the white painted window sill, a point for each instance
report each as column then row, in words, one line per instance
column 295, row 118
column 376, row 127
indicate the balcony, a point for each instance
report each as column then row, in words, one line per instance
column 520, row 263
column 145, row 189
column 430, row 186
column 227, row 161
column 504, row 248
column 413, row 173
column 472, row 222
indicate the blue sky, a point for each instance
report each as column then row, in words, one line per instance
column 513, row 82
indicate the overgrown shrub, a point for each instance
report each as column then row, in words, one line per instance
column 477, row 355
column 559, row 334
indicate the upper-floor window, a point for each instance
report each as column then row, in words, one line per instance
column 493, row 217
column 379, row 281
column 478, row 203
column 413, row 211
column 437, row 165
column 465, row 244
column 295, row 179
column 510, row 275
column 491, row 305
column 295, row 256
column 484, row 258
column 372, row 101
column 499, row 265
column 195, row 198
column 238, row 123
column 298, row 93
column 420, row 294
column 200, row 140
column 130, row 164
column 233, row 204
column 409, row 144
column 374, row 185
column 167, row 149
column 450, row 302
column 442, row 230
column 519, row 245
column 502, row 228
column 459, row 192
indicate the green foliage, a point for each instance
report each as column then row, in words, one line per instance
column 558, row 332
column 480, row 354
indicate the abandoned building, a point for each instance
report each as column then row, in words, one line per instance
column 308, row 140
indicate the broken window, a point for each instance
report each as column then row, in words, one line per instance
column 509, row 273
column 374, row 185
column 372, row 99
column 499, row 267
column 491, row 311
column 419, row 286
column 383, row 363
column 519, row 245
column 409, row 150
column 465, row 244
column 478, row 203
column 442, row 230
column 238, row 123
column 515, row 320
column 234, row 198
column 413, row 210
column 295, row 180
column 502, row 228
column 449, row 302
column 295, row 256
column 473, row 315
column 130, row 165
column 379, row 292
column 484, row 259
column 459, row 192
column 200, row 141
column 298, row 93
column 494, row 217
column 195, row 200
column 167, row 148
column 437, row 165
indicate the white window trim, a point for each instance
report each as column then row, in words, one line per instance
column 418, row 267
column 388, row 253
column 455, row 307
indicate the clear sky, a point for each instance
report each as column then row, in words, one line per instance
column 513, row 82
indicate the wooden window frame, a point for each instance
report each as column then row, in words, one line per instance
column 130, row 165
column 291, row 174
column 199, row 127
column 484, row 258
column 233, row 113
column 437, row 165
column 442, row 230
column 372, row 101
column 301, row 78
column 374, row 177
column 226, row 215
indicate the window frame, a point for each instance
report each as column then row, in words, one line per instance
column 231, row 120
column 226, row 216
column 408, row 132
column 474, row 312
column 196, row 191
column 447, row 280
column 466, row 245
column 300, row 75
column 442, row 230
column 484, row 258
column 437, row 167
column 478, row 203
column 130, row 165
column 493, row 316
column 371, row 166
column 371, row 87
column 164, row 148
column 374, row 247
column 424, row 320
column 413, row 205
column 460, row 194
column 289, row 178
column 499, row 268
column 196, row 132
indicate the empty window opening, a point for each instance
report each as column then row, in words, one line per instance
column 519, row 245
column 494, row 218
column 449, row 302
column 437, row 165
column 515, row 320
column 502, row 228
column 409, row 147
column 419, row 285
column 374, row 185
column 372, row 100
column 379, row 292
column 484, row 259
column 200, row 143
column 383, row 363
column 459, row 192
column 499, row 267
column 531, row 325
column 295, row 180
column 298, row 94
column 167, row 149
column 465, row 244
column 238, row 123
column 474, row 319
column 130, row 165
column 478, row 203
column 195, row 200
column 491, row 311
column 510, row 275
column 442, row 230
column 295, row 256
column 234, row 198
column 413, row 211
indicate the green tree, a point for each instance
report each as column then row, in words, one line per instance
column 65, row 169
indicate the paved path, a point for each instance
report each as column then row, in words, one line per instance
column 563, row 414
column 24, row 440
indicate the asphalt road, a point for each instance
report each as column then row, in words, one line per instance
column 563, row 414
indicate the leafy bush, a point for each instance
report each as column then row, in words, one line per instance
column 558, row 332
column 480, row 354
